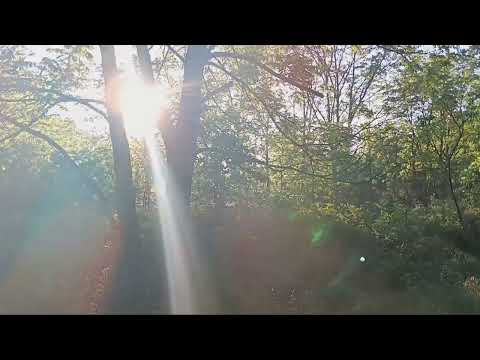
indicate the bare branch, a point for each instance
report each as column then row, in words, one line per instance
column 176, row 53
column 267, row 69
column 33, row 121
column 258, row 98
column 66, row 98
column 218, row 90
column 82, row 101
column 86, row 179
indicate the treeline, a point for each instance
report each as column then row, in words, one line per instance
column 381, row 138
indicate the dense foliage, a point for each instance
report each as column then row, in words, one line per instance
column 373, row 147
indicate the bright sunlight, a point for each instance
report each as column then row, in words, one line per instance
column 295, row 179
column 141, row 105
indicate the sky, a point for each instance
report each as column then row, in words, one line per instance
column 79, row 113
column 86, row 119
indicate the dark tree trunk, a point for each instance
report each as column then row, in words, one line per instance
column 145, row 63
column 181, row 146
column 453, row 195
column 219, row 189
column 156, row 268
column 181, row 142
column 146, row 70
column 126, row 297
column 181, row 138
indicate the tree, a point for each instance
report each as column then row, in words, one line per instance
column 441, row 100
column 130, row 296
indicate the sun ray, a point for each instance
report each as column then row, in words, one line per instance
column 141, row 105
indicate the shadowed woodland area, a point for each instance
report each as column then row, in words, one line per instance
column 218, row 179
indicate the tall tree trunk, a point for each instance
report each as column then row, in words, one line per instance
column 219, row 188
column 181, row 144
column 157, row 270
column 181, row 138
column 146, row 70
column 453, row 195
column 145, row 63
column 267, row 159
column 126, row 297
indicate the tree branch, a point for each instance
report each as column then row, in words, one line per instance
column 25, row 86
column 85, row 102
column 86, row 179
column 269, row 70
column 33, row 121
column 218, row 90
column 264, row 104
column 176, row 53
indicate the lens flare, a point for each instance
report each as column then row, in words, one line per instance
column 176, row 235
column 141, row 105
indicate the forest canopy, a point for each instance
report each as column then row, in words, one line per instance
column 282, row 158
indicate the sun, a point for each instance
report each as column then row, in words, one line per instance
column 141, row 105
